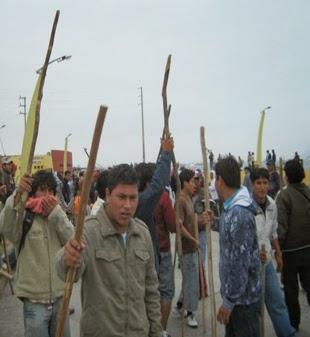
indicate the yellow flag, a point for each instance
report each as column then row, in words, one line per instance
column 30, row 129
column 260, row 139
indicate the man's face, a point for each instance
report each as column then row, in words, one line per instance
column 8, row 167
column 270, row 168
column 68, row 176
column 43, row 191
column 219, row 184
column 190, row 186
column 121, row 206
column 260, row 189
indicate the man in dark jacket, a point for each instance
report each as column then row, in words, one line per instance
column 294, row 237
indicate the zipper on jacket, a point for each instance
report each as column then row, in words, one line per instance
column 49, row 257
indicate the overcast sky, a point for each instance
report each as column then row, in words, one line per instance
column 230, row 59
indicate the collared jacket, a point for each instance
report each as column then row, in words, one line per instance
column 239, row 253
column 294, row 217
column 266, row 224
column 119, row 283
column 36, row 276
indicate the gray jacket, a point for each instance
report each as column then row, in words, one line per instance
column 119, row 283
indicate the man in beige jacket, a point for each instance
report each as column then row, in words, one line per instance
column 44, row 230
column 116, row 262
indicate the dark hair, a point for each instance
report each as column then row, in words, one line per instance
column 258, row 173
column 43, row 179
column 122, row 174
column 294, row 171
column 102, row 183
column 228, row 168
column 145, row 173
column 66, row 172
column 186, row 175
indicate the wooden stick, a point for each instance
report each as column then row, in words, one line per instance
column 8, row 264
column 81, row 216
column 201, row 276
column 175, row 172
column 281, row 173
column 208, row 229
column 34, row 136
column 163, row 135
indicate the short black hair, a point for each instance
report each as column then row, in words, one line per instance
column 258, row 173
column 44, row 179
column 145, row 173
column 294, row 171
column 122, row 174
column 229, row 169
column 102, row 183
column 186, row 175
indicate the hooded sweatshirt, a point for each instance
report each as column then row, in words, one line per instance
column 239, row 252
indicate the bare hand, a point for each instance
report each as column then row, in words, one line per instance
column 3, row 190
column 263, row 256
column 223, row 315
column 196, row 243
column 48, row 203
column 25, row 184
column 279, row 260
column 207, row 217
column 167, row 144
column 73, row 251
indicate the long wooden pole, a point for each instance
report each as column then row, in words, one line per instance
column 175, row 172
column 81, row 216
column 32, row 133
column 208, row 229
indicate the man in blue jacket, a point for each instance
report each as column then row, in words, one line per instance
column 239, row 266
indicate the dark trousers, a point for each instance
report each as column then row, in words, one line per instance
column 296, row 264
column 244, row 321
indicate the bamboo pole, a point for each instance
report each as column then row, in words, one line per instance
column 32, row 134
column 71, row 274
column 208, row 229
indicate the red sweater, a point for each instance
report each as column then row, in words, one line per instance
column 165, row 220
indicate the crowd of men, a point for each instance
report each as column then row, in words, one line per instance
column 125, row 259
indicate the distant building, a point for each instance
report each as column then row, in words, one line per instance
column 51, row 160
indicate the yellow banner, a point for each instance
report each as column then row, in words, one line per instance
column 30, row 127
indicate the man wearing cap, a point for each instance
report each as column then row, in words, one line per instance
column 274, row 179
column 7, row 184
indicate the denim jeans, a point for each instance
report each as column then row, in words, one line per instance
column 166, row 276
column 190, row 283
column 244, row 321
column 275, row 303
column 40, row 320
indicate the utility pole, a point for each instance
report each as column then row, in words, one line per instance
column 23, row 105
column 142, row 120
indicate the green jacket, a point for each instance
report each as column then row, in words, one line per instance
column 36, row 276
column 294, row 217
column 119, row 283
